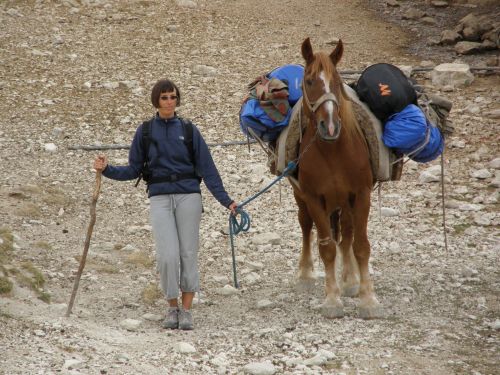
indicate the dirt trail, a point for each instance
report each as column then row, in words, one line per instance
column 79, row 72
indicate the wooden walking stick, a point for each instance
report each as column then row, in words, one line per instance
column 97, row 189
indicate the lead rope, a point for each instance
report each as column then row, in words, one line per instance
column 243, row 225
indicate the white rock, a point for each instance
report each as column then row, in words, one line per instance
column 259, row 368
column 129, row 248
column 186, row 3
column 110, row 85
column 426, row 177
column 220, row 279
column 482, row 219
column 204, row 70
column 227, row 290
column 71, row 364
column 317, row 360
column 152, row 317
column 14, row 12
column 326, row 353
column 266, row 238
column 496, row 325
column 251, row 278
column 495, row 163
column 470, row 207
column 255, row 266
column 458, row 143
column 50, row 147
column 184, row 347
column 264, row 304
column 496, row 181
column 389, row 212
column 220, row 360
column 406, row 69
column 130, row 324
column 452, row 74
column 481, row 174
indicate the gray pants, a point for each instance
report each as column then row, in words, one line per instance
column 176, row 227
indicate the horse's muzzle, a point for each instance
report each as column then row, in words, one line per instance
column 324, row 132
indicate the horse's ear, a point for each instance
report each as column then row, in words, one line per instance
column 336, row 55
column 307, row 51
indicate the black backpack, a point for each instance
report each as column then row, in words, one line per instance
column 146, row 173
column 385, row 89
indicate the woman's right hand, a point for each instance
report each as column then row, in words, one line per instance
column 100, row 163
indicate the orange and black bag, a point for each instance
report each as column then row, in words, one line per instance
column 385, row 89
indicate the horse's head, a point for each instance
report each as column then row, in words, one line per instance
column 323, row 90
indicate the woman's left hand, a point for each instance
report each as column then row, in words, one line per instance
column 233, row 206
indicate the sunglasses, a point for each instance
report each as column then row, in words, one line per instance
column 167, row 97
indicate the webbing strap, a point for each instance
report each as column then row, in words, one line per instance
column 173, row 178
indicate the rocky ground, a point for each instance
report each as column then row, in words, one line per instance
column 79, row 72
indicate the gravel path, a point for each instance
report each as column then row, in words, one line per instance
column 79, row 72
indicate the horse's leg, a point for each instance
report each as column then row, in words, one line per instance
column 369, row 307
column 332, row 307
column 306, row 266
column 350, row 280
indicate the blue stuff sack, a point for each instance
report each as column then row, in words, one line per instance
column 433, row 149
column 292, row 74
column 406, row 131
column 253, row 116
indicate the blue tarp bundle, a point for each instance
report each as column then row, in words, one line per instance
column 406, row 132
column 292, row 74
column 253, row 116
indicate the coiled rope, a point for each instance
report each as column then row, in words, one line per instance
column 243, row 225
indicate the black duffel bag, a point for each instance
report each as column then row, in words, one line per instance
column 385, row 89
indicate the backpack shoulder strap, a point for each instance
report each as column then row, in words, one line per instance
column 187, row 127
column 145, row 142
column 146, row 139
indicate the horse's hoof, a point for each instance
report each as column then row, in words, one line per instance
column 332, row 311
column 350, row 291
column 372, row 312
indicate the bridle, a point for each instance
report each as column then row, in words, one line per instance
column 326, row 97
column 313, row 107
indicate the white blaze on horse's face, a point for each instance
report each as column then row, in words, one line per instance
column 328, row 105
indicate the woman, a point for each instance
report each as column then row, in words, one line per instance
column 175, row 196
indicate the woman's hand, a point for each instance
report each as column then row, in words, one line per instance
column 233, row 206
column 100, row 163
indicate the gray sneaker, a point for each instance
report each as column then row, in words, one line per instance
column 185, row 320
column 172, row 319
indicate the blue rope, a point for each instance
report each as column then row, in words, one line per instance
column 243, row 225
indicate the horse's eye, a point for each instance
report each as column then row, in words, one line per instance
column 309, row 82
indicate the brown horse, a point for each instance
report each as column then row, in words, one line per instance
column 335, row 185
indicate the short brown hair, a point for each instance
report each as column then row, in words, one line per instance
column 164, row 85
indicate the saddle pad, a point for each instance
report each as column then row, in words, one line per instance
column 381, row 158
column 288, row 142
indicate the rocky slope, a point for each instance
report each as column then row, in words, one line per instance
column 79, row 72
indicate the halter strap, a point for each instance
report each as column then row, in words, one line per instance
column 326, row 97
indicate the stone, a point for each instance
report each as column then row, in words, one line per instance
column 130, row 324
column 50, row 147
column 259, row 368
column 184, row 347
column 453, row 74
